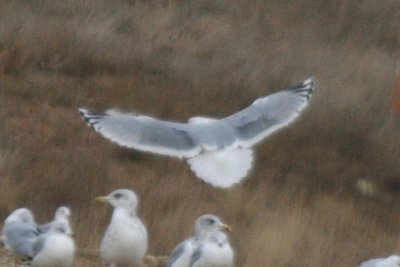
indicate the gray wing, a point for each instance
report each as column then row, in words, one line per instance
column 143, row 133
column 38, row 245
column 177, row 252
column 371, row 263
column 268, row 114
column 243, row 128
column 43, row 228
column 195, row 256
column 20, row 237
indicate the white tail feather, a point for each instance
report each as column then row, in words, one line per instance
column 222, row 168
column 197, row 120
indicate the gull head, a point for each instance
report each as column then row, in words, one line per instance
column 23, row 215
column 63, row 212
column 121, row 198
column 208, row 223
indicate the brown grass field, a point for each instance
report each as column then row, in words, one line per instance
column 178, row 58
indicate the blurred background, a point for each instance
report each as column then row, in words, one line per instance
column 323, row 192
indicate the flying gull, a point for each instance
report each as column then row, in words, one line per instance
column 219, row 151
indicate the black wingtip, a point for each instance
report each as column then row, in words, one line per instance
column 305, row 88
column 85, row 115
column 83, row 112
column 90, row 118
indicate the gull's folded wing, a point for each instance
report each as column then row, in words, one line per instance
column 20, row 237
column 143, row 133
column 38, row 245
column 268, row 114
column 182, row 253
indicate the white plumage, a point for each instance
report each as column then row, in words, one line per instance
column 48, row 245
column 125, row 240
column 213, row 251
column 391, row 261
column 55, row 248
column 218, row 150
column 208, row 248
column 62, row 214
column 222, row 168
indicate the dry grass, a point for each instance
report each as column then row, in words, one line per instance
column 175, row 59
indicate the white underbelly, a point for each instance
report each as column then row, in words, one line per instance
column 124, row 244
column 215, row 256
column 57, row 252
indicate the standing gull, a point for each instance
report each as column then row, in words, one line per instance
column 20, row 232
column 125, row 240
column 55, row 248
column 209, row 247
column 62, row 215
column 219, row 151
column 391, row 261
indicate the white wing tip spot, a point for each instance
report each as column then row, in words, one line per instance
column 309, row 81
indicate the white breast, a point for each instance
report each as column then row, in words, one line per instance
column 214, row 255
column 215, row 251
column 58, row 250
column 125, row 241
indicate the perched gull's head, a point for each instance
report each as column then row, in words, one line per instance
column 63, row 212
column 121, row 198
column 208, row 223
column 22, row 215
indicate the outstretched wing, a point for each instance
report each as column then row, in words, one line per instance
column 270, row 113
column 143, row 133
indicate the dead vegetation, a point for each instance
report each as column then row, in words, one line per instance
column 175, row 59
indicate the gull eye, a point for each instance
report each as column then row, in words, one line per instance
column 210, row 221
column 117, row 195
